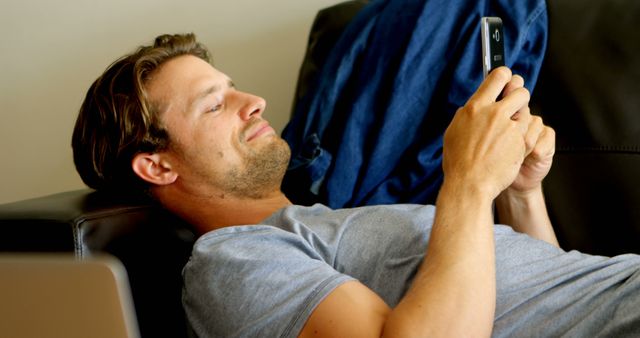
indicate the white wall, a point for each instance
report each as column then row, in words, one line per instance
column 51, row 51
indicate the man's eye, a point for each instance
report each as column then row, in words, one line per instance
column 215, row 108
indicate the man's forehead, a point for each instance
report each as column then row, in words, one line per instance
column 183, row 79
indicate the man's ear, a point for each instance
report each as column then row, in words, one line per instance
column 152, row 168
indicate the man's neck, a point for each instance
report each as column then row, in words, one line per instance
column 218, row 211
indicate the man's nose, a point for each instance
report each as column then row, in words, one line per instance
column 250, row 105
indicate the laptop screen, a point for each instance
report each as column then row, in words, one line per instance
column 56, row 295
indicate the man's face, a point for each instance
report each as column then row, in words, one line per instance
column 219, row 142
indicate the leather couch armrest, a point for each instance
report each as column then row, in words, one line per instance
column 152, row 244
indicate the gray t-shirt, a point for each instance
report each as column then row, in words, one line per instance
column 265, row 280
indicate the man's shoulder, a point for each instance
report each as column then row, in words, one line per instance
column 261, row 278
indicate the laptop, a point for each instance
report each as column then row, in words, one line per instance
column 56, row 295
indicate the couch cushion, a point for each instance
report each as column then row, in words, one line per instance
column 588, row 92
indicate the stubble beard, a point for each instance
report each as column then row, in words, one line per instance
column 261, row 173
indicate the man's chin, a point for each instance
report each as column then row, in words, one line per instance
column 277, row 147
column 264, row 171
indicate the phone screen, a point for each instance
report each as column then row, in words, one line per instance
column 492, row 44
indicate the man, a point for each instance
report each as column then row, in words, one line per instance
column 163, row 120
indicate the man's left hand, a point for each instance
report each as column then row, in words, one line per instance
column 541, row 144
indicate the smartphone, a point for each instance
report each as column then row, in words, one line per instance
column 492, row 43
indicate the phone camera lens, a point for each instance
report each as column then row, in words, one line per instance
column 496, row 35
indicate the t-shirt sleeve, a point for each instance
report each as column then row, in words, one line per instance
column 256, row 281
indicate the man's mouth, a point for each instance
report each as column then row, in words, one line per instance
column 261, row 128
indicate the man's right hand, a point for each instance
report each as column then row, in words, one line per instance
column 454, row 290
column 484, row 146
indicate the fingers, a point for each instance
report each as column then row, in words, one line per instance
column 533, row 134
column 492, row 86
column 501, row 81
column 516, row 82
column 516, row 88
column 516, row 98
column 513, row 102
column 545, row 147
column 540, row 140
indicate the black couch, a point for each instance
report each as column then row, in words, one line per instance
column 152, row 244
column 587, row 91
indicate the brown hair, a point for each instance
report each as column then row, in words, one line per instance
column 116, row 120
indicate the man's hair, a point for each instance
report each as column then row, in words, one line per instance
column 117, row 121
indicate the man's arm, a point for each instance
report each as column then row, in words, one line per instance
column 526, row 213
column 453, row 292
column 522, row 204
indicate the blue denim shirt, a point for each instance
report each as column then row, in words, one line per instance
column 370, row 129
